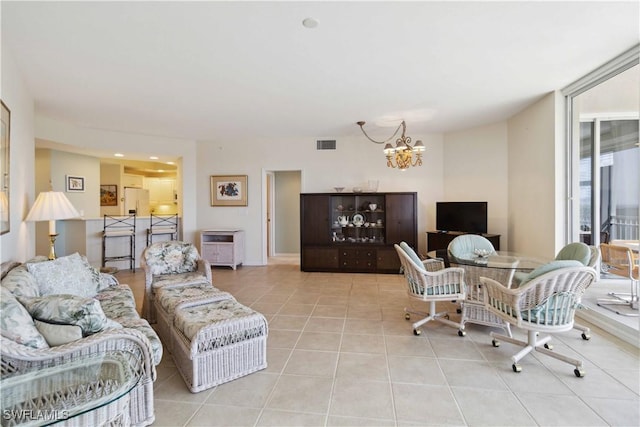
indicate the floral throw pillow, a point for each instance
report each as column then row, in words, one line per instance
column 16, row 323
column 172, row 258
column 21, row 283
column 66, row 275
column 68, row 310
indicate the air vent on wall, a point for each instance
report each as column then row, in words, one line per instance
column 326, row 144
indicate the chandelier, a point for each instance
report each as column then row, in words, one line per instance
column 402, row 155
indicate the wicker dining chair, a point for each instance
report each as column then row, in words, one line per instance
column 428, row 281
column 473, row 310
column 545, row 304
column 621, row 261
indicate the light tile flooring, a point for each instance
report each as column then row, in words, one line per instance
column 341, row 354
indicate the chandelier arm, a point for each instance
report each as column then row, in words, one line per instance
column 361, row 124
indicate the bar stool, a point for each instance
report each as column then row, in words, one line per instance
column 162, row 224
column 119, row 227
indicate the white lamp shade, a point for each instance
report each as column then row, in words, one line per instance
column 52, row 205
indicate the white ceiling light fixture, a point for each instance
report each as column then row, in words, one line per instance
column 119, row 155
column 310, row 22
column 400, row 156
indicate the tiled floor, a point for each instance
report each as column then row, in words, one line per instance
column 341, row 354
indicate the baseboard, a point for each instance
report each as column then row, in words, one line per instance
column 609, row 325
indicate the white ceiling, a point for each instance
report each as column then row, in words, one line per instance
column 246, row 70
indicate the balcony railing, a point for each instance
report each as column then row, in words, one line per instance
column 622, row 227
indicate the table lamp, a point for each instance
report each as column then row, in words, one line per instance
column 50, row 206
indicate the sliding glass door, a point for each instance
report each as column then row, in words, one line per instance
column 604, row 159
column 609, row 170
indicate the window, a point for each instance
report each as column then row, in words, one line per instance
column 604, row 178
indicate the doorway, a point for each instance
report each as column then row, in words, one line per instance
column 282, row 214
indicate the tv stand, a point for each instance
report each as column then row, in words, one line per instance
column 441, row 239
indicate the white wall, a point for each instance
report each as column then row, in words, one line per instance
column 287, row 212
column 476, row 170
column 536, row 178
column 19, row 243
column 353, row 163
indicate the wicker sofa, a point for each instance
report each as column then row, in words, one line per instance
column 54, row 313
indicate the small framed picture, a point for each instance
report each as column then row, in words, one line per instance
column 109, row 195
column 75, row 184
column 228, row 190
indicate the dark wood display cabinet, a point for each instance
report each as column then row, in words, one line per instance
column 355, row 232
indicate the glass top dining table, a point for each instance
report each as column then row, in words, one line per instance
column 497, row 260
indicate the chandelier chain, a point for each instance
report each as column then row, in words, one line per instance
column 401, row 125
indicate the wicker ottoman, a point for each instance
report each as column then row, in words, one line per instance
column 168, row 298
column 217, row 341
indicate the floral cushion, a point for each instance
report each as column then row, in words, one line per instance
column 181, row 279
column 143, row 326
column 66, row 275
column 117, row 302
column 106, row 281
column 16, row 322
column 21, row 283
column 171, row 257
column 190, row 320
column 68, row 310
column 169, row 298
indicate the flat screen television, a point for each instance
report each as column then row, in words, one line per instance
column 470, row 217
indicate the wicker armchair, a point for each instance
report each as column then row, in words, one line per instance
column 18, row 359
column 428, row 281
column 171, row 264
column 546, row 303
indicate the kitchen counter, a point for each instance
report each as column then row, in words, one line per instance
column 84, row 235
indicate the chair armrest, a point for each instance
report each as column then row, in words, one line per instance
column 17, row 358
column 433, row 264
column 501, row 298
column 204, row 267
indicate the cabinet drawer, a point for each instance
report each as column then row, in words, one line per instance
column 358, row 259
column 358, row 253
column 358, row 263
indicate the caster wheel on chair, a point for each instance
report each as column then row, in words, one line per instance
column 579, row 372
column 495, row 343
column 461, row 333
column 516, row 367
column 417, row 332
column 548, row 346
column 586, row 337
column 407, row 316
